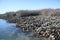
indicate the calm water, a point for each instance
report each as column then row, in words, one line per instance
column 8, row 31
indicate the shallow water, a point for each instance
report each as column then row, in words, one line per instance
column 8, row 31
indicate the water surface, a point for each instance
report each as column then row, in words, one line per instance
column 8, row 31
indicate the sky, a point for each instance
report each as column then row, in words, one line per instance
column 15, row 5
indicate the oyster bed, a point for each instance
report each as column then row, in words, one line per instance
column 41, row 26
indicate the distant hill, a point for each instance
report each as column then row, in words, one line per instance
column 45, row 12
column 26, row 13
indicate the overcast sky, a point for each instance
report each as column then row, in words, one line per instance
column 14, row 5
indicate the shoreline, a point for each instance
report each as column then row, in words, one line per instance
column 41, row 23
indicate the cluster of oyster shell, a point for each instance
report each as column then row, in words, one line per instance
column 41, row 26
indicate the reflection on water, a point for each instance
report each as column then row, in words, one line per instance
column 8, row 31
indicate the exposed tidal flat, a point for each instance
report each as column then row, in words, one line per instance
column 45, row 28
